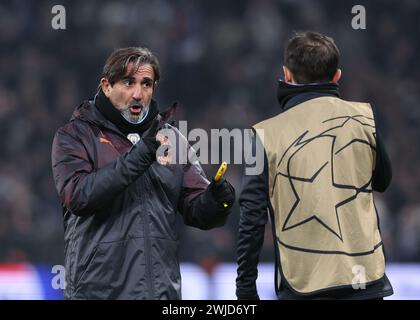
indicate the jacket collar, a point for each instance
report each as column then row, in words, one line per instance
column 290, row 95
column 89, row 111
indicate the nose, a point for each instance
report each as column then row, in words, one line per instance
column 137, row 93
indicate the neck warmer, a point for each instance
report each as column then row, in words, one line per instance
column 105, row 106
column 286, row 91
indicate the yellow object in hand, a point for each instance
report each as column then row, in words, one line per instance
column 220, row 172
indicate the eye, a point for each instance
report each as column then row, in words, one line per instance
column 127, row 82
column 147, row 84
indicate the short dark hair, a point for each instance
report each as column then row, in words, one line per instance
column 311, row 57
column 115, row 67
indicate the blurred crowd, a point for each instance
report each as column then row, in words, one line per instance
column 221, row 60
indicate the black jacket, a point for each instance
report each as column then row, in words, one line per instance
column 120, row 207
column 255, row 210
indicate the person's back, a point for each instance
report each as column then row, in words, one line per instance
column 321, row 168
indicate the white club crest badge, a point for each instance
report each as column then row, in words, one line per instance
column 133, row 137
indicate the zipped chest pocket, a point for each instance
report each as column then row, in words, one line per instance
column 107, row 147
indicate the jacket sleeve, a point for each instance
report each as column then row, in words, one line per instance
column 82, row 189
column 382, row 173
column 253, row 203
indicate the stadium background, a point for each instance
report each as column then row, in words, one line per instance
column 221, row 61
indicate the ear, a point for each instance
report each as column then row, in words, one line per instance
column 106, row 87
column 337, row 76
column 288, row 77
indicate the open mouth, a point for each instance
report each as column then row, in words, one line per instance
column 136, row 109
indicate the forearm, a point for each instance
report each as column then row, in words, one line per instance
column 84, row 192
column 250, row 241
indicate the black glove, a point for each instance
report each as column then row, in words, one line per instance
column 149, row 137
column 223, row 192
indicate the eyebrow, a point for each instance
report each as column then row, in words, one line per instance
column 144, row 80
column 128, row 78
column 147, row 79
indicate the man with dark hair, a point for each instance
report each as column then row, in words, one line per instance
column 120, row 197
column 323, row 160
column 311, row 58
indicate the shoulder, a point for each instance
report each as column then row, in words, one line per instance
column 75, row 129
column 361, row 107
column 267, row 125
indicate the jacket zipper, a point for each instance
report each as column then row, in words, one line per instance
column 146, row 232
column 147, row 248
